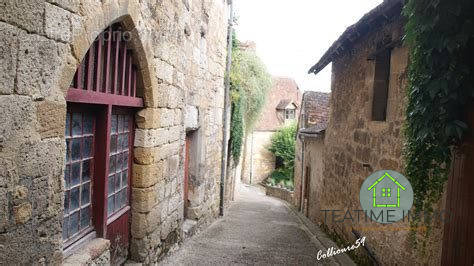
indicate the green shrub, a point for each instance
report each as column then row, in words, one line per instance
column 283, row 146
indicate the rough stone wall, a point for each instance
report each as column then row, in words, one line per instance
column 313, row 160
column 180, row 46
column 353, row 140
column 281, row 193
column 260, row 161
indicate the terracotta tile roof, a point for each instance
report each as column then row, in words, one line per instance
column 283, row 104
column 315, row 107
column 282, row 89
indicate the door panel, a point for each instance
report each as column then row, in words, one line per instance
column 458, row 238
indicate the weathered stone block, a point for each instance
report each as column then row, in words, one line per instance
column 153, row 219
column 175, row 97
column 147, row 175
column 20, row 193
column 16, row 108
column 144, row 199
column 155, row 154
column 139, row 225
column 51, row 118
column 57, row 23
column 94, row 252
column 71, row 5
column 191, row 117
column 164, row 71
column 39, row 66
column 196, row 196
column 43, row 158
column 151, row 137
column 194, row 213
column 22, row 213
column 27, row 14
column 175, row 133
column 166, row 228
column 155, row 118
column 144, row 155
column 173, row 166
column 174, row 202
column 8, row 57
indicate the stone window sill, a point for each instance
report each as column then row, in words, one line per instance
column 87, row 251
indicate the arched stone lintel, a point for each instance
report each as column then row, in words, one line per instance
column 85, row 32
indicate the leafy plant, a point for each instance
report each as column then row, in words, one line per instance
column 440, row 34
column 283, row 146
column 237, row 128
column 250, row 83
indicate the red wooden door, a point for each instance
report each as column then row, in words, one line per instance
column 307, row 187
column 458, row 238
column 186, row 175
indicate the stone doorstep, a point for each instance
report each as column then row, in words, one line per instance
column 88, row 252
column 319, row 236
column 189, row 228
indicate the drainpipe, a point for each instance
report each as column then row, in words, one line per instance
column 303, row 144
column 225, row 122
column 251, row 159
column 303, row 181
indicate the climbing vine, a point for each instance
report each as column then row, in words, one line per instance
column 237, row 127
column 440, row 34
column 249, row 84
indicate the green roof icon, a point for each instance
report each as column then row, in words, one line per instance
column 386, row 192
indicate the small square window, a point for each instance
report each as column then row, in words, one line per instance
column 289, row 114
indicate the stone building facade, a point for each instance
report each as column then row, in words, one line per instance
column 309, row 147
column 364, row 133
column 281, row 107
column 179, row 55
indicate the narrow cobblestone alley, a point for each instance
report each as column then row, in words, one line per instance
column 256, row 230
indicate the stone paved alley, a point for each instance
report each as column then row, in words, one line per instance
column 256, row 230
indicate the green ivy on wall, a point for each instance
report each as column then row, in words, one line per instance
column 249, row 84
column 440, row 34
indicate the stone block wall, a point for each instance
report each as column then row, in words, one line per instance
column 356, row 146
column 260, row 161
column 281, row 193
column 180, row 47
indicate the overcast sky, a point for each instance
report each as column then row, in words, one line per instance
column 291, row 36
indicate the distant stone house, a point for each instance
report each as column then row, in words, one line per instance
column 312, row 124
column 281, row 108
column 364, row 134
column 364, row 130
column 110, row 127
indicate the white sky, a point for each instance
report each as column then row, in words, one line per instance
column 291, row 36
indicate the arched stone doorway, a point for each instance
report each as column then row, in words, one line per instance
column 106, row 92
